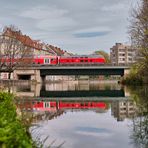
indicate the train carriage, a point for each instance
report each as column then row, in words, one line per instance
column 45, row 60
column 81, row 60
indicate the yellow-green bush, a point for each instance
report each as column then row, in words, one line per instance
column 12, row 132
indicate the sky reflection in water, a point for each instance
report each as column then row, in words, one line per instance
column 85, row 129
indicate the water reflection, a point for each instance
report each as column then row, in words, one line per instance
column 35, row 90
column 139, row 132
column 123, row 109
column 120, row 110
column 85, row 115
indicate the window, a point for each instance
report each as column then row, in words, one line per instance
column 130, row 59
column 121, row 50
column 122, row 59
column 129, row 54
column 46, row 61
column 121, row 54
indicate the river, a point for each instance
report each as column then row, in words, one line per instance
column 84, row 114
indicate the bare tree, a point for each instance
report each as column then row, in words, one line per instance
column 13, row 52
column 139, row 35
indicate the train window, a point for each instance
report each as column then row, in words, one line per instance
column 46, row 61
column 81, row 60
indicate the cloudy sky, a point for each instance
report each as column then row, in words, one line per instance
column 78, row 26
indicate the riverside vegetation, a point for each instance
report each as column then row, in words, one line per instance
column 13, row 132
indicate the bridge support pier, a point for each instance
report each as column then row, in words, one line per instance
column 43, row 79
column 126, row 72
column 34, row 74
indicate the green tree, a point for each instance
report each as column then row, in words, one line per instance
column 13, row 134
column 104, row 54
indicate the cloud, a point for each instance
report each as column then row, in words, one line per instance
column 72, row 25
column 92, row 32
column 43, row 12
column 114, row 7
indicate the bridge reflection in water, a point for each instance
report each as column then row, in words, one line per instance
column 94, row 97
column 70, row 90
column 57, row 98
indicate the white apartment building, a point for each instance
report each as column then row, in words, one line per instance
column 121, row 54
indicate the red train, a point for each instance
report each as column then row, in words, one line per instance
column 59, row 60
column 69, row 60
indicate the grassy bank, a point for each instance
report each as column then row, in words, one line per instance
column 13, row 133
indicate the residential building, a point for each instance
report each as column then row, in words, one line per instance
column 121, row 54
column 33, row 46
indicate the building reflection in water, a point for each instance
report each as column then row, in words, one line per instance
column 123, row 109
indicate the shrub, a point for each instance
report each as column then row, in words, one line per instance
column 12, row 132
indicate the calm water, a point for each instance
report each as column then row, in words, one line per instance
column 85, row 114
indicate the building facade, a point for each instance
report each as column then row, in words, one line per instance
column 121, row 54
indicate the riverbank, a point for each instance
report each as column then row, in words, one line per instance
column 12, row 131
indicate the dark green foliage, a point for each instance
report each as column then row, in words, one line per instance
column 132, row 80
column 133, row 77
column 12, row 132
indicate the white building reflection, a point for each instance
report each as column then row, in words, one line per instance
column 123, row 109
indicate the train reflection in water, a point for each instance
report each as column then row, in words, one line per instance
column 60, row 105
column 120, row 109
